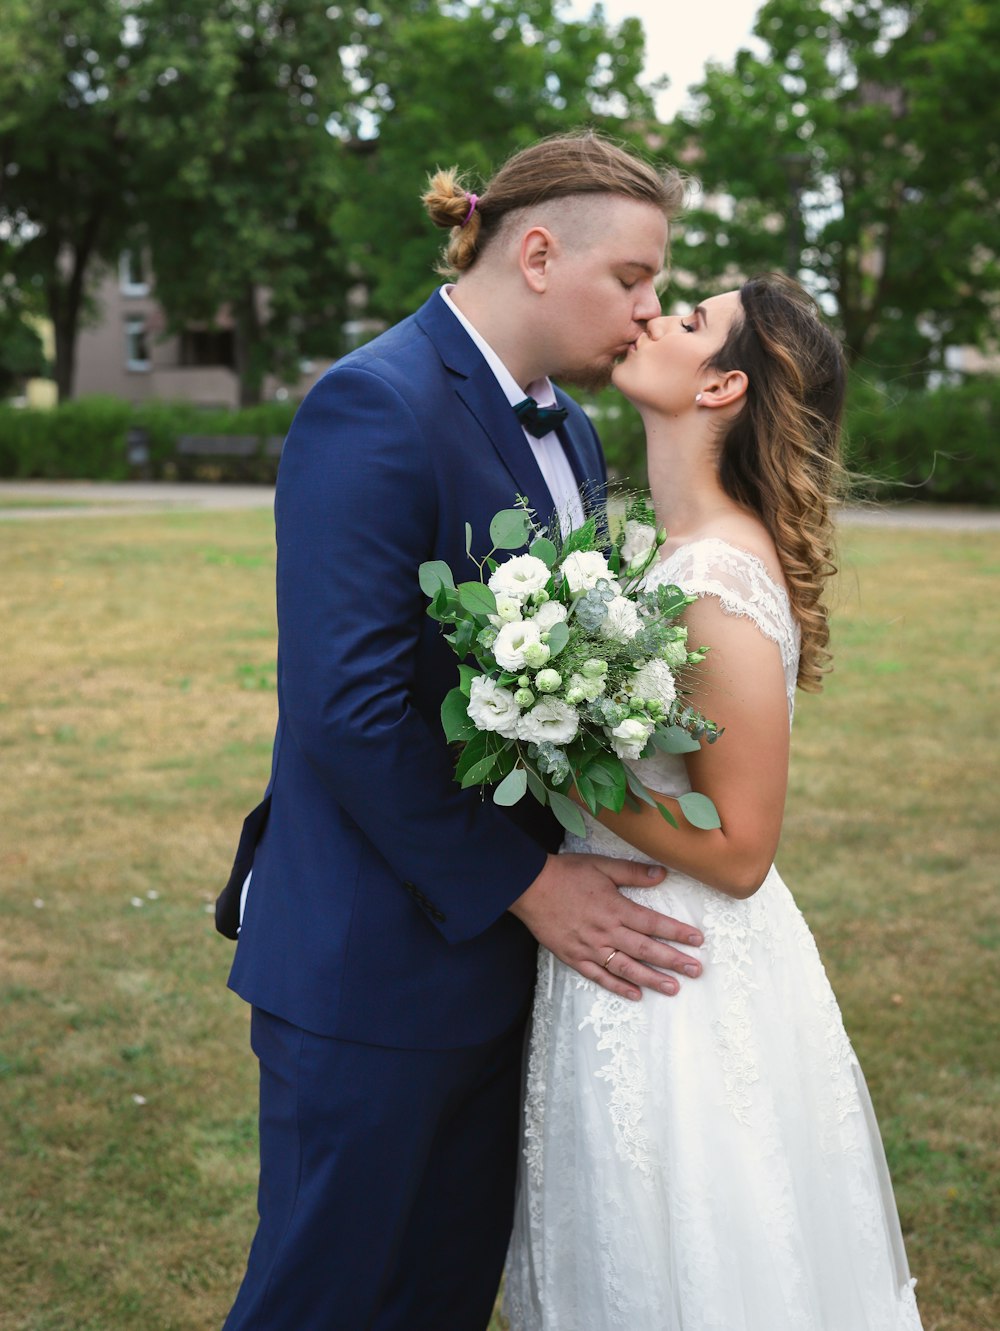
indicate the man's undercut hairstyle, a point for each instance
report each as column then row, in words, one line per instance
column 561, row 167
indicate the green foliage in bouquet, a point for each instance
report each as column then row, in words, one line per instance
column 568, row 665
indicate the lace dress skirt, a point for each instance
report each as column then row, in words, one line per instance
column 709, row 1160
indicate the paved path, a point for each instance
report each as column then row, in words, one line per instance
column 97, row 499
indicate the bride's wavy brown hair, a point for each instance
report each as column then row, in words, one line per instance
column 780, row 458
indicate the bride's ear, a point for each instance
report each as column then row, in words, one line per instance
column 724, row 389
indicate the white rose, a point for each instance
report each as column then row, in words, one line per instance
column 639, row 536
column 654, row 680
column 518, row 577
column 548, row 614
column 492, row 707
column 583, row 569
column 512, row 640
column 622, row 619
column 548, row 721
column 630, row 738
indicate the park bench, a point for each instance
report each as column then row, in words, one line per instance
column 211, row 456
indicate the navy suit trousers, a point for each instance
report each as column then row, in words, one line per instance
column 413, row 1149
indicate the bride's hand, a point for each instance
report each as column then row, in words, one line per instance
column 574, row 909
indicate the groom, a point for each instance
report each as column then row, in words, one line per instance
column 390, row 921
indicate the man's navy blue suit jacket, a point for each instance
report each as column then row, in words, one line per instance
column 378, row 906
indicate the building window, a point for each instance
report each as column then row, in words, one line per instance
column 208, row 346
column 132, row 276
column 136, row 344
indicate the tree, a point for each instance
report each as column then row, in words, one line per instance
column 240, row 184
column 270, row 154
column 66, row 161
column 464, row 84
column 879, row 122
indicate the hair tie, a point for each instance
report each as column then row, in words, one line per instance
column 473, row 200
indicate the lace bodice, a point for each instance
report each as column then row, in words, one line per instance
column 741, row 582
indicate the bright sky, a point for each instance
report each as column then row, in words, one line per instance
column 681, row 35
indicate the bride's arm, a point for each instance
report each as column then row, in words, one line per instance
column 741, row 686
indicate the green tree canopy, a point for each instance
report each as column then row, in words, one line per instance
column 270, row 154
column 465, row 85
column 67, row 156
column 880, row 120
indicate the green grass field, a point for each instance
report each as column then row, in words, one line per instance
column 136, row 714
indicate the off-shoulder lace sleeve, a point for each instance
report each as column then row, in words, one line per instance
column 743, row 586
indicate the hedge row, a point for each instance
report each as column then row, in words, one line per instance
column 89, row 438
column 938, row 445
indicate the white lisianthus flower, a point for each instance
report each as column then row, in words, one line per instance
column 547, row 681
column 629, row 738
column 622, row 619
column 549, row 722
column 639, row 537
column 536, row 654
column 585, row 686
column 551, row 612
column 583, row 569
column 654, row 680
column 492, row 707
column 508, row 609
column 675, row 653
column 512, row 640
column 519, row 577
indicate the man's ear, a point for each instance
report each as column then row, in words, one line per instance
column 724, row 389
column 537, row 249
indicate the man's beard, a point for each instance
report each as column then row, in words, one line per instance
column 591, row 378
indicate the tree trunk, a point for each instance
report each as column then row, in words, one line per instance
column 66, row 288
column 249, row 366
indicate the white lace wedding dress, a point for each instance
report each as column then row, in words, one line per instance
column 709, row 1160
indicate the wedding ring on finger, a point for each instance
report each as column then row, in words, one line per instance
column 611, row 955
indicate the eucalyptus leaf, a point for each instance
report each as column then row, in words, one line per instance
column 434, row 574
column 674, row 739
column 568, row 813
column 637, row 788
column 667, row 814
column 699, row 810
column 477, row 598
column 558, row 637
column 537, row 786
column 509, row 529
column 544, row 550
column 468, row 539
column 511, row 788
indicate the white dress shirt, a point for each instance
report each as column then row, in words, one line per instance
column 549, row 453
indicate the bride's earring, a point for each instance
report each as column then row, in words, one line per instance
column 698, row 396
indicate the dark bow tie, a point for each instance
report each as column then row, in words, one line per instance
column 539, row 420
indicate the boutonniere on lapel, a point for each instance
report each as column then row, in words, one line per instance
column 568, row 668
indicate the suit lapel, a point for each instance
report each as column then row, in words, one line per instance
column 478, row 390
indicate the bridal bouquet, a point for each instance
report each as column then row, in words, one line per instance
column 576, row 666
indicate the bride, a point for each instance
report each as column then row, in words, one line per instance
column 712, row 1160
